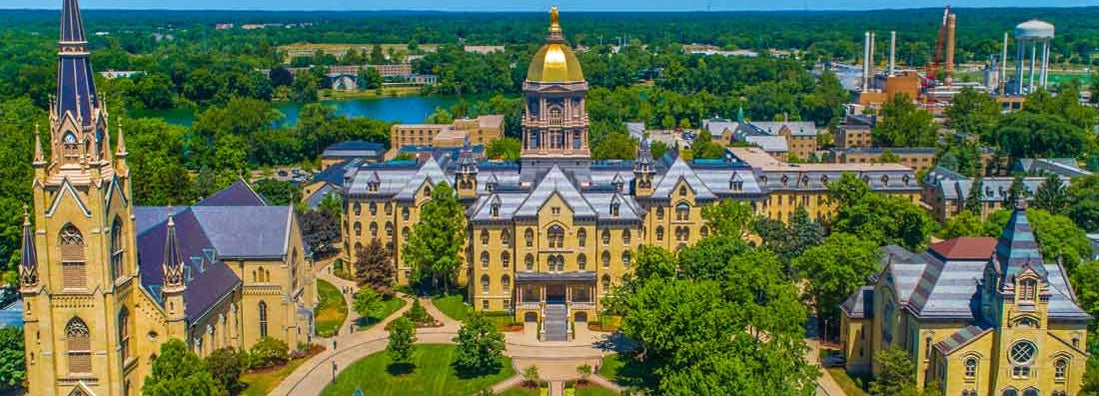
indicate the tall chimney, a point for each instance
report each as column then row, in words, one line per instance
column 1003, row 68
column 892, row 53
column 866, row 62
column 870, row 65
column 950, row 23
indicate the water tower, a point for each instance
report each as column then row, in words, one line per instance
column 1035, row 34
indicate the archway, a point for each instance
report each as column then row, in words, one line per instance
column 530, row 317
column 581, row 317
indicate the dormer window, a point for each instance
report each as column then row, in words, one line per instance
column 495, row 209
column 614, row 208
column 1028, row 290
column 490, row 186
column 785, row 180
column 885, row 179
column 372, row 186
column 906, row 180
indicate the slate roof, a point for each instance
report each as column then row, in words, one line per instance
column 555, row 182
column 962, row 337
column 797, row 128
column 76, row 93
column 354, row 149
column 1064, row 167
column 770, row 144
column 315, row 199
column 237, row 194
column 679, row 170
column 860, row 304
column 247, row 232
column 12, row 315
column 1017, row 248
column 29, row 251
column 955, row 186
column 334, row 174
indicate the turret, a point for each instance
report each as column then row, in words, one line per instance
column 175, row 282
column 467, row 172
column 28, row 268
column 643, row 171
column 120, row 154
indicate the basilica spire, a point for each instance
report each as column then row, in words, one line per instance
column 173, row 257
column 76, row 94
column 28, row 270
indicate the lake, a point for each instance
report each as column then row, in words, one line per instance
column 406, row 109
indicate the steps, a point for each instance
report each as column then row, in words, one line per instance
column 556, row 323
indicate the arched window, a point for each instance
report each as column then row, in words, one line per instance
column 374, row 230
column 582, row 262
column 484, row 237
column 358, row 228
column 556, row 237
column 682, row 212
column 124, row 333
column 659, row 233
column 625, row 237
column 683, row 191
column 505, row 238
column 605, row 258
column 606, row 283
column 1021, row 356
column 971, row 367
column 505, row 259
column 389, row 229
column 1030, row 392
column 116, row 248
column 529, row 261
column 358, row 209
column 1010, row 392
column 73, row 271
column 606, row 237
column 529, row 236
column 505, row 282
column 404, row 214
column 427, row 192
column 78, row 342
column 484, row 260
column 1027, row 289
column 582, row 237
column 484, row 284
column 705, row 232
column 626, row 258
column 262, row 319
column 660, row 213
column 373, row 208
column 388, row 208
column 404, row 233
column 1060, row 369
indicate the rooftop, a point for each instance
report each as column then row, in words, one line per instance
column 758, row 158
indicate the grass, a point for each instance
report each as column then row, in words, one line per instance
column 388, row 308
column 845, row 382
column 592, row 390
column 431, row 374
column 370, row 93
column 518, row 391
column 452, row 305
column 611, row 365
column 624, row 372
column 261, row 383
column 332, row 309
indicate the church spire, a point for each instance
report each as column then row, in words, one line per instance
column 39, row 157
column 28, row 270
column 76, row 94
column 72, row 25
column 173, row 258
column 121, row 151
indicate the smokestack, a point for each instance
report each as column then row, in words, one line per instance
column 892, row 53
column 950, row 23
column 1003, row 68
column 866, row 62
column 870, row 64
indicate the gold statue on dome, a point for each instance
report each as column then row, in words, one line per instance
column 555, row 18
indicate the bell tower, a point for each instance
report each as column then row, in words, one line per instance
column 79, row 284
column 555, row 119
column 467, row 173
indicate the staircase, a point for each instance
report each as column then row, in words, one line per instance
column 556, row 323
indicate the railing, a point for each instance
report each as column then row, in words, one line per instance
column 583, row 305
column 528, row 305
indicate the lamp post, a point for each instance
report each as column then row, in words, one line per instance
column 334, row 371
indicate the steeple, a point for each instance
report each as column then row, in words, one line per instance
column 28, row 270
column 72, row 26
column 39, row 157
column 643, row 171
column 1017, row 247
column 78, row 118
column 467, row 172
column 173, row 258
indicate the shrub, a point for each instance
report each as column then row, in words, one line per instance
column 225, row 365
column 418, row 315
column 531, row 377
column 269, row 352
column 585, row 371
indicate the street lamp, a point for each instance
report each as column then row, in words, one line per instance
column 333, row 371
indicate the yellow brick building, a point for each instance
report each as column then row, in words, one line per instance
column 105, row 282
column 978, row 316
column 481, row 131
column 551, row 234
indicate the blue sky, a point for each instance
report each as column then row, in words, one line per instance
column 539, row 5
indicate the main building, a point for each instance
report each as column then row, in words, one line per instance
column 550, row 234
column 105, row 282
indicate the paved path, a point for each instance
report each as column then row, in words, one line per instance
column 826, row 385
column 325, row 274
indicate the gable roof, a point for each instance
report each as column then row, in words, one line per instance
column 237, row 194
column 962, row 338
column 965, row 248
column 679, row 170
column 1017, row 247
column 246, row 231
column 555, row 181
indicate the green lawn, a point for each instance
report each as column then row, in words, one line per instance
column 624, row 372
column 845, row 382
column 519, row 391
column 388, row 308
column 332, row 309
column 432, row 375
column 452, row 305
column 592, row 391
column 260, row 384
column 611, row 364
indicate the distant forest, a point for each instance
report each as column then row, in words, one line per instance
column 830, row 34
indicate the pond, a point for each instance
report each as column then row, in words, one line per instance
column 406, row 109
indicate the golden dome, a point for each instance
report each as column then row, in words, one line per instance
column 555, row 62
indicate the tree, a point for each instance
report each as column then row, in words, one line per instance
column 504, row 149
column 280, row 77
column 965, row 223
column 1015, row 192
column 531, row 378
column 897, row 375
column 973, row 202
column 1083, row 202
column 402, row 340
column 703, row 147
column 480, row 345
column 887, row 157
column 881, row 218
column 835, row 269
column 1039, row 135
column 320, row 231
column 13, row 365
column 434, row 248
column 440, row 116
column 728, row 218
column 374, row 269
column 1051, row 195
column 584, row 371
column 156, row 161
column 371, row 78
column 904, row 125
column 616, row 145
column 268, row 352
column 278, row 192
column 367, row 302
column 973, row 112
column 225, row 366
column 178, row 371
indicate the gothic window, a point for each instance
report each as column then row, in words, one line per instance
column 116, row 248
column 556, row 237
column 505, row 282
column 927, row 348
column 582, row 237
column 78, row 342
column 358, row 229
column 484, row 284
column 582, row 262
column 659, row 233
column 605, row 258
column 358, row 209
column 388, row 229
column 505, row 259
column 124, row 334
column 484, row 237
column 606, row 283
column 1021, row 356
column 262, row 319
column 529, row 236
column 606, row 237
column 404, row 214
column 625, row 237
column 683, row 191
column 373, row 209
column 427, row 192
column 705, row 231
column 404, row 233
column 73, row 270
column 529, row 261
column 505, row 238
column 1027, row 289
column 626, row 259
column 660, row 213
column 484, row 260
column 887, row 322
column 1010, row 392
column 1060, row 367
column 388, row 208
column 682, row 212
column 971, row 367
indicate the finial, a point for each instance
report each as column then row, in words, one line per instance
column 121, row 151
column 171, row 218
column 26, row 215
column 555, row 18
column 38, row 155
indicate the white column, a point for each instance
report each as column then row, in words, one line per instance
column 1045, row 62
column 1020, row 61
column 1033, row 60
